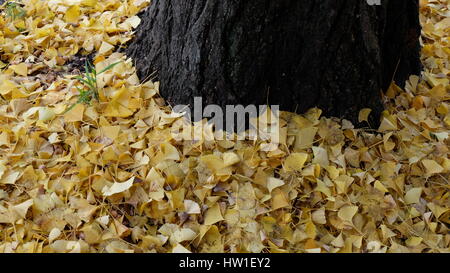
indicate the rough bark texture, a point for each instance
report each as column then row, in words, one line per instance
column 334, row 54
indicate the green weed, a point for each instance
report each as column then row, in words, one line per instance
column 89, row 91
column 14, row 10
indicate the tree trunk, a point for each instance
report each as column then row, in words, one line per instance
column 337, row 55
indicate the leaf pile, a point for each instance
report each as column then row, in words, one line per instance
column 112, row 177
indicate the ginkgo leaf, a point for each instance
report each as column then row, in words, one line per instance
column 169, row 152
column 180, row 249
column 432, row 167
column 437, row 210
column 320, row 156
column 20, row 69
column 54, row 234
column 279, row 199
column 184, row 234
column 72, row 14
column 347, row 213
column 273, row 183
column 22, row 208
column 364, row 115
column 89, row 3
column 295, row 161
column 118, row 187
column 75, row 114
column 134, row 21
column 46, row 114
column 213, row 215
column 319, row 217
column 191, row 207
column 413, row 196
column 379, row 186
column 230, row 158
column 105, row 48
column 388, row 124
column 414, row 241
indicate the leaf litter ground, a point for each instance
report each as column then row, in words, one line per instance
column 111, row 177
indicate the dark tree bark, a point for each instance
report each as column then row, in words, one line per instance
column 337, row 55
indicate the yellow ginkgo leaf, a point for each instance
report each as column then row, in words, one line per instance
column 347, row 213
column 432, row 167
column 295, row 161
column 115, row 109
column 184, row 234
column 46, row 114
column 134, row 21
column 54, row 234
column 413, row 196
column 279, row 199
column 118, row 187
column 110, row 132
column 72, row 14
column 437, row 210
column 22, row 208
column 213, row 162
column 75, row 114
column 388, row 124
column 191, row 207
column 230, row 159
column 379, row 186
column 105, row 48
column 6, row 86
column 89, row 3
column 414, row 241
column 169, row 152
column 338, row 241
column 273, row 183
column 319, row 216
column 364, row 114
column 320, row 156
column 213, row 215
column 20, row 69
column 180, row 249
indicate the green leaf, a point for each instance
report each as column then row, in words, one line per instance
column 88, row 83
